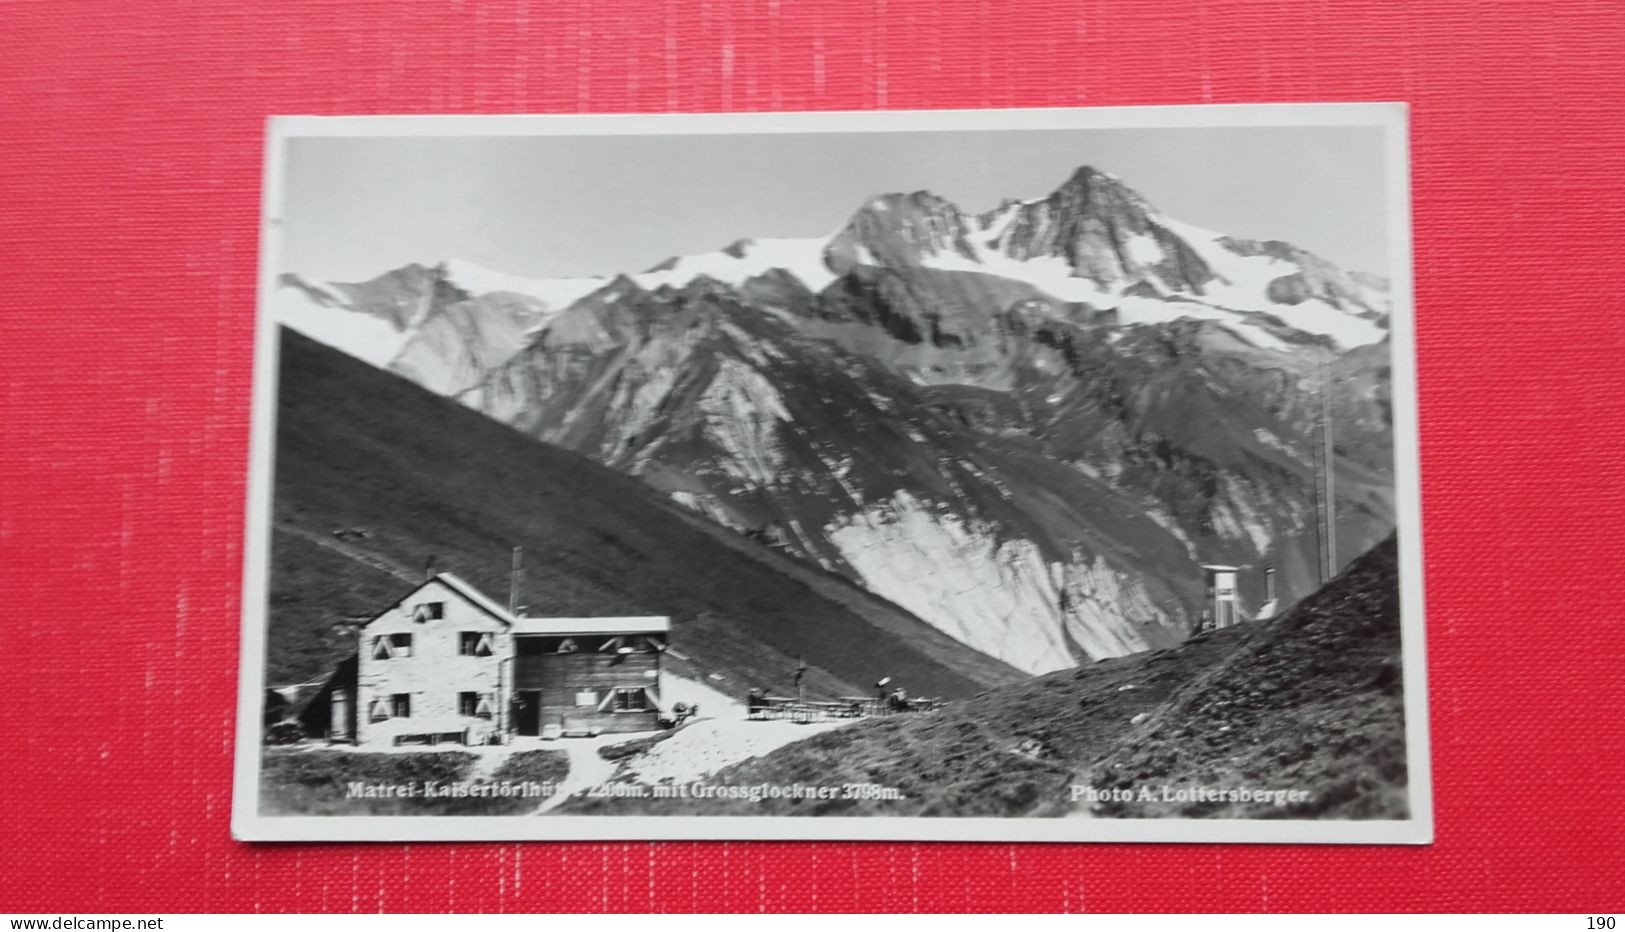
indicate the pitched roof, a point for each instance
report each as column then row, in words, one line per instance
column 465, row 589
column 641, row 624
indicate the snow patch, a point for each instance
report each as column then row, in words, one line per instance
column 1245, row 280
column 1258, row 336
column 1238, row 517
column 1318, row 317
column 555, row 294
column 1049, row 274
column 367, row 338
column 801, row 257
column 1275, row 443
column 708, row 506
column 1144, row 250
column 1164, row 520
column 993, row 231
column 757, row 351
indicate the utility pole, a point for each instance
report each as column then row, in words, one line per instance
column 1325, row 479
column 513, row 581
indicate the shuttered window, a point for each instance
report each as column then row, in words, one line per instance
column 475, row 705
column 391, row 646
column 474, row 643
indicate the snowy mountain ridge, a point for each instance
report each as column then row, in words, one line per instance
column 1093, row 240
column 1026, row 426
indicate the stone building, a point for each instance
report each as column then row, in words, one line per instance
column 448, row 663
column 433, row 665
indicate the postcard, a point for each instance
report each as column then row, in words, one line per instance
column 1024, row 475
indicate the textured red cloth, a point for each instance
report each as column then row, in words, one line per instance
column 130, row 151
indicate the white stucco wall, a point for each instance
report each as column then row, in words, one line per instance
column 435, row 673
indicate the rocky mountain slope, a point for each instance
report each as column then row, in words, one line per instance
column 1027, row 427
column 1310, row 701
column 376, row 475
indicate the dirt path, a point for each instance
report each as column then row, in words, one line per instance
column 700, row 749
column 587, row 769
column 358, row 554
column 487, row 761
column 708, row 746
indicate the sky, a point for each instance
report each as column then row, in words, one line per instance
column 546, row 206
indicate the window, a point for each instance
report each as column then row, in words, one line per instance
column 400, row 705
column 474, row 643
column 629, row 644
column 391, row 646
column 378, row 711
column 474, row 705
column 429, row 611
column 568, row 646
column 630, row 699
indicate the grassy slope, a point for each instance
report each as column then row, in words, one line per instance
column 1308, row 701
column 405, row 474
column 1315, row 700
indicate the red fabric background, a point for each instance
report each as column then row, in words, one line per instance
column 130, row 147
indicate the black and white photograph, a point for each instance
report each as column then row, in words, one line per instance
column 1005, row 475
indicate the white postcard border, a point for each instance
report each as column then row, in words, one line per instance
column 247, row 824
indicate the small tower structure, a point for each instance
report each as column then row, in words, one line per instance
column 1272, row 602
column 1219, row 608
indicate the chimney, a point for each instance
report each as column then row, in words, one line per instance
column 428, row 568
column 1269, row 584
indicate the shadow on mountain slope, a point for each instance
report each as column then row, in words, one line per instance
column 375, row 475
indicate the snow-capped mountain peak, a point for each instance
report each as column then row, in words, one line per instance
column 901, row 230
column 1024, row 426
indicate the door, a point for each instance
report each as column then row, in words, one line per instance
column 527, row 712
column 338, row 726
